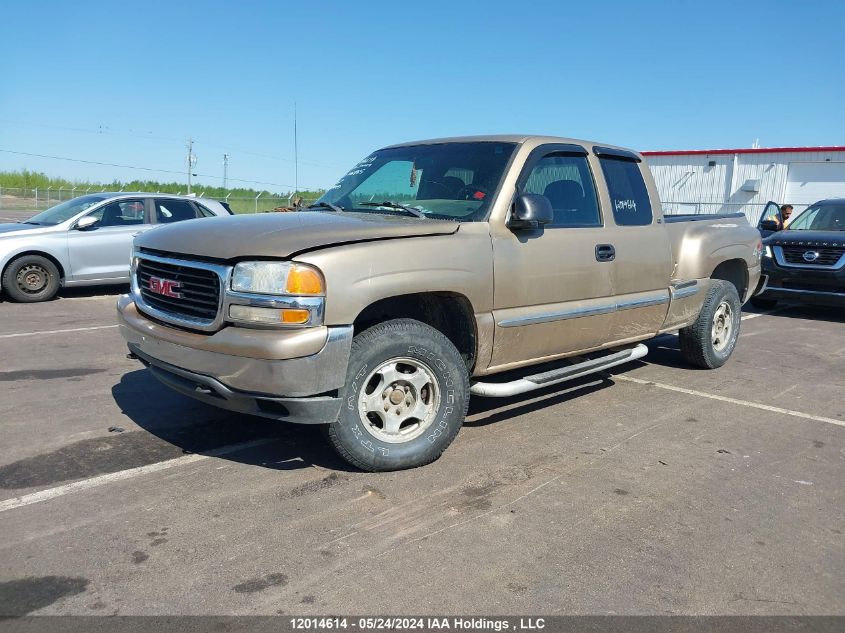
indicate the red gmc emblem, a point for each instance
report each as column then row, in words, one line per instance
column 165, row 287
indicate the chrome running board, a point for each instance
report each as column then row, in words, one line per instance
column 554, row 376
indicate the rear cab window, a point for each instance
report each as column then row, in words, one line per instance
column 629, row 198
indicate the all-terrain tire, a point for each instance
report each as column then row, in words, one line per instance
column 711, row 339
column 31, row 278
column 399, row 369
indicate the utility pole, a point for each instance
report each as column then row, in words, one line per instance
column 295, row 153
column 191, row 161
column 225, row 171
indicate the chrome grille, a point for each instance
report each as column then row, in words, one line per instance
column 194, row 292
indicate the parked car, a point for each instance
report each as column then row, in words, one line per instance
column 429, row 268
column 86, row 241
column 805, row 261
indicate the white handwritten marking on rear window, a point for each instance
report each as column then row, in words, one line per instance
column 626, row 205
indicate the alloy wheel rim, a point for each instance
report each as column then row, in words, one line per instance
column 399, row 400
column 722, row 326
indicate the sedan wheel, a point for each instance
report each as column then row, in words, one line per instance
column 31, row 278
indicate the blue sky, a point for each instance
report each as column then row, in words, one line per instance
column 127, row 83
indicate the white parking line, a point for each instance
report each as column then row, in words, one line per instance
column 754, row 315
column 744, row 403
column 75, row 329
column 85, row 484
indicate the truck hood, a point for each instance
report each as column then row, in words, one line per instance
column 801, row 238
column 284, row 234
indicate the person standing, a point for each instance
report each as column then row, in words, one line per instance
column 782, row 220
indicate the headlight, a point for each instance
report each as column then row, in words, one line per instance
column 278, row 278
column 767, row 251
column 276, row 293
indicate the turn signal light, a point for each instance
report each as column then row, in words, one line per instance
column 303, row 280
column 293, row 316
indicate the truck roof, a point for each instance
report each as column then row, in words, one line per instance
column 534, row 139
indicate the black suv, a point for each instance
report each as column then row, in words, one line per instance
column 805, row 262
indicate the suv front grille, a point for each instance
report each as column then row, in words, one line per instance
column 179, row 290
column 827, row 256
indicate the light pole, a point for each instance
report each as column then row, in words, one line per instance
column 191, row 161
column 295, row 153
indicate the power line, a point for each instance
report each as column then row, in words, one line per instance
column 101, row 130
column 106, row 130
column 136, row 167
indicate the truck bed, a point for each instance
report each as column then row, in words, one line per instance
column 699, row 217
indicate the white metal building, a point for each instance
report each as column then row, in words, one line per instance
column 730, row 180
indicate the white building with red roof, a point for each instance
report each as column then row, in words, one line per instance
column 728, row 180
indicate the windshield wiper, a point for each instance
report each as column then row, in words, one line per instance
column 325, row 205
column 395, row 205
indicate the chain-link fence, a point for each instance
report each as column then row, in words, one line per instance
column 40, row 198
column 43, row 198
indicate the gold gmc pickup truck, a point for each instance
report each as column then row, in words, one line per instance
column 426, row 271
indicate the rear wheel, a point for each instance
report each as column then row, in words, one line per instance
column 31, row 278
column 762, row 303
column 406, row 395
column 711, row 339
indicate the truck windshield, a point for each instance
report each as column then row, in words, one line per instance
column 820, row 217
column 64, row 211
column 445, row 180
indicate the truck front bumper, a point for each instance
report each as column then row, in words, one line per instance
column 291, row 375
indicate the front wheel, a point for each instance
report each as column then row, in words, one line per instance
column 711, row 339
column 405, row 398
column 31, row 278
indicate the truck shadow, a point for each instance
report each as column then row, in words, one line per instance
column 92, row 291
column 178, row 425
column 484, row 411
column 663, row 350
column 195, row 427
column 801, row 311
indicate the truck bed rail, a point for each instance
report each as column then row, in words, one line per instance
column 700, row 217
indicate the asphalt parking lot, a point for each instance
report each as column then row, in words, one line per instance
column 658, row 489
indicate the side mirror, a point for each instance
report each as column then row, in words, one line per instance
column 769, row 225
column 530, row 211
column 88, row 222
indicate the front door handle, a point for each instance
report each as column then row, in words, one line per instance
column 605, row 252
